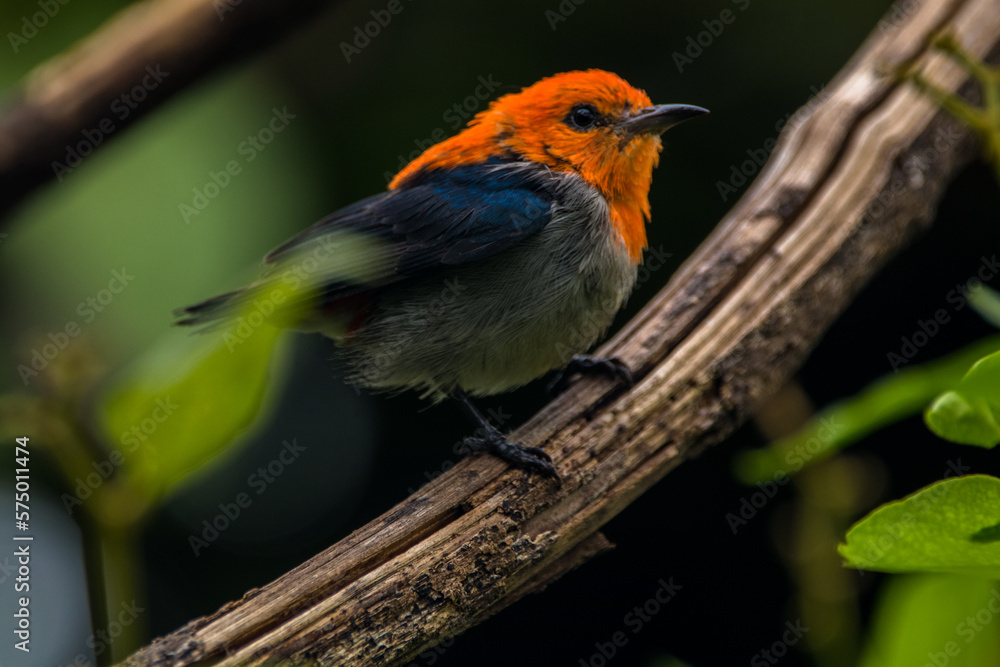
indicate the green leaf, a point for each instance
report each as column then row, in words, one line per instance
column 953, row 417
column 949, row 526
column 935, row 619
column 186, row 402
column 968, row 414
column 885, row 401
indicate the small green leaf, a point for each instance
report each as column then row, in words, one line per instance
column 935, row 619
column 945, row 527
column 968, row 414
column 955, row 418
column 186, row 402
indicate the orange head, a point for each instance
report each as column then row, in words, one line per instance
column 590, row 122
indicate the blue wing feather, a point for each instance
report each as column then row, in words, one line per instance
column 444, row 217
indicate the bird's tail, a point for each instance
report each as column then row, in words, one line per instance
column 267, row 300
column 315, row 285
column 210, row 311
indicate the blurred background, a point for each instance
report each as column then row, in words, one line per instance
column 346, row 128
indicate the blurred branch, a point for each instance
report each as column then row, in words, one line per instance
column 81, row 99
column 850, row 181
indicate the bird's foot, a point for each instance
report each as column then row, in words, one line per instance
column 489, row 439
column 494, row 442
column 582, row 363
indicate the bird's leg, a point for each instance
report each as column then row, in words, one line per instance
column 583, row 363
column 489, row 439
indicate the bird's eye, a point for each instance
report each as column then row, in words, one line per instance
column 582, row 117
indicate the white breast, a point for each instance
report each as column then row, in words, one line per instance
column 501, row 323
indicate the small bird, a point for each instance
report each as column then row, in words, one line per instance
column 497, row 255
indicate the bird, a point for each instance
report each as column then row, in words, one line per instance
column 494, row 257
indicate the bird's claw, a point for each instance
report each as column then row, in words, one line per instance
column 494, row 442
column 581, row 363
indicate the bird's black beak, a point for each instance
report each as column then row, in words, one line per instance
column 659, row 119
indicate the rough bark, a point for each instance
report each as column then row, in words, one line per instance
column 850, row 181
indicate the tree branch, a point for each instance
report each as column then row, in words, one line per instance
column 848, row 184
column 67, row 107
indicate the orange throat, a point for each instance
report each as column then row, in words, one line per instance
column 624, row 180
column 630, row 223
